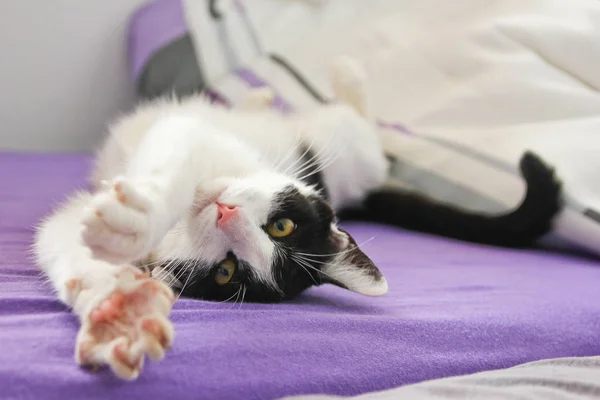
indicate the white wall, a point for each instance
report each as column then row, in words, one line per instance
column 63, row 71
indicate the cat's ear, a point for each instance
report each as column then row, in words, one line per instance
column 352, row 269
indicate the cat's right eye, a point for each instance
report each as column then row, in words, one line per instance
column 225, row 271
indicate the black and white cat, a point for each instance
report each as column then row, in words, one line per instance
column 238, row 204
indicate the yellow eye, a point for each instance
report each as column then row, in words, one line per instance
column 281, row 227
column 225, row 271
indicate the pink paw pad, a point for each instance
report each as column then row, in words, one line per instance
column 109, row 310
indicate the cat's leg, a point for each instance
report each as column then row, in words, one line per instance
column 123, row 312
column 131, row 214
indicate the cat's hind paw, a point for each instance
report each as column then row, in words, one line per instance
column 118, row 223
column 126, row 326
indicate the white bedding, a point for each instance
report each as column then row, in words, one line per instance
column 475, row 82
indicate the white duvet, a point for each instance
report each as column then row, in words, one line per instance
column 474, row 82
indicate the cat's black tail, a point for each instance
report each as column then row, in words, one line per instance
column 519, row 228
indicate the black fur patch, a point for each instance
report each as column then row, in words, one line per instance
column 312, row 174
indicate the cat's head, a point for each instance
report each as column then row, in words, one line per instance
column 264, row 238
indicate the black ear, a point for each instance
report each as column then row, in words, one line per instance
column 352, row 269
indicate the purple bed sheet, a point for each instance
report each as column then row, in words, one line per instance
column 453, row 308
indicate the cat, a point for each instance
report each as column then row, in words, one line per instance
column 223, row 204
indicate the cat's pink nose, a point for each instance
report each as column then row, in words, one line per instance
column 225, row 213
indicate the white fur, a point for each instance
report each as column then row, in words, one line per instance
column 162, row 168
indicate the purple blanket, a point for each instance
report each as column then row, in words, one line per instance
column 453, row 308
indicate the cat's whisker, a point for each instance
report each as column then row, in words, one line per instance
column 186, row 281
column 226, row 300
column 325, row 149
column 326, row 163
column 172, row 259
column 280, row 253
column 315, row 157
column 180, row 273
column 301, row 157
column 307, row 264
column 303, row 265
column 338, row 253
column 237, row 297
column 167, row 270
column 295, row 167
column 295, row 149
column 295, row 146
column 314, row 261
column 319, row 169
column 275, row 159
column 164, row 272
column 300, row 263
column 307, row 164
column 187, row 268
column 276, row 165
column 149, row 265
column 243, row 296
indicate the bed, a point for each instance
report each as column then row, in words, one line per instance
column 454, row 308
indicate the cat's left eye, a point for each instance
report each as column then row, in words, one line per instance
column 225, row 271
column 281, row 227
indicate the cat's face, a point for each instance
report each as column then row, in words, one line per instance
column 263, row 238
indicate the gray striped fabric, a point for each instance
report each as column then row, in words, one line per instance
column 556, row 379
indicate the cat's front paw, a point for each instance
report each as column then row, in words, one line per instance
column 120, row 223
column 126, row 326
